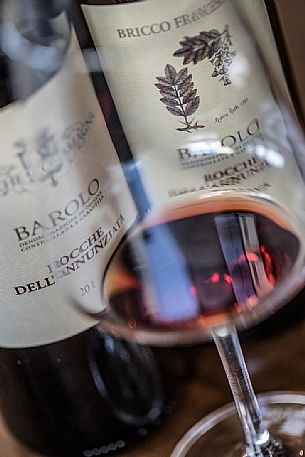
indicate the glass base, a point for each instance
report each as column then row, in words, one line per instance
column 219, row 434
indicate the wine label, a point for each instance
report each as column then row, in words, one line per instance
column 194, row 99
column 65, row 205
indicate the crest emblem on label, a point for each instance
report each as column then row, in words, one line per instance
column 41, row 160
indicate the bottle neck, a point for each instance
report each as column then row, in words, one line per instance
column 34, row 38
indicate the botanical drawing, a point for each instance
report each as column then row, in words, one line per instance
column 179, row 96
column 214, row 46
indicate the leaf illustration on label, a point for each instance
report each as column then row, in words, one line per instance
column 214, row 46
column 179, row 96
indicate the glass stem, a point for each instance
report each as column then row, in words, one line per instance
column 256, row 435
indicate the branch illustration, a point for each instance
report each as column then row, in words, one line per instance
column 179, row 96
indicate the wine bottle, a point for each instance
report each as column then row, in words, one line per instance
column 65, row 388
column 156, row 57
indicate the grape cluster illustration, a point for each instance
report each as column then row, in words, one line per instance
column 214, row 46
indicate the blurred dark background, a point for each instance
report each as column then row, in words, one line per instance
column 292, row 17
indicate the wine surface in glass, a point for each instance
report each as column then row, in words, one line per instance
column 201, row 264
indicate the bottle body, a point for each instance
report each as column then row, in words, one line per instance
column 65, row 387
column 59, row 405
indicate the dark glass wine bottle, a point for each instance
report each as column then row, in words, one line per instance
column 65, row 387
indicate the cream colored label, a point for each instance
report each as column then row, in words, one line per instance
column 193, row 97
column 64, row 203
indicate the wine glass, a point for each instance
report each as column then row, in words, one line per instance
column 210, row 236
